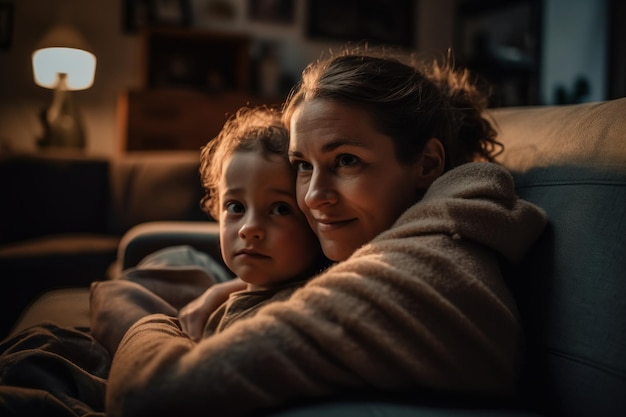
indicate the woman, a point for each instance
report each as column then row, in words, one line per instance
column 417, row 301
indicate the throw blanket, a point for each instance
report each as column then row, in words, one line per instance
column 423, row 306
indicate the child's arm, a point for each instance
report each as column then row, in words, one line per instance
column 193, row 316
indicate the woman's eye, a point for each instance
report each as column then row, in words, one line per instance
column 302, row 166
column 234, row 207
column 347, row 160
column 281, row 209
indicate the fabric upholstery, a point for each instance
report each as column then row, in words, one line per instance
column 571, row 161
column 151, row 186
column 63, row 214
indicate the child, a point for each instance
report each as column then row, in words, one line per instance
column 265, row 238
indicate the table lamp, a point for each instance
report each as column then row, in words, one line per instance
column 63, row 62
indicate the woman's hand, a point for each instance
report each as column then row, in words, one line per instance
column 193, row 316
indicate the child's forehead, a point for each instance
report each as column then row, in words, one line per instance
column 247, row 161
column 257, row 173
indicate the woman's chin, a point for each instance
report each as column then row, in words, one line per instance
column 336, row 251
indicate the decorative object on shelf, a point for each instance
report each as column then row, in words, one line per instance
column 63, row 62
column 390, row 22
column 6, row 25
column 195, row 59
column 170, row 12
column 216, row 12
column 269, row 70
column 500, row 42
column 138, row 14
column 271, row 11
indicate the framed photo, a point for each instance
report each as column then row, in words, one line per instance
column 390, row 22
column 6, row 25
column 197, row 60
column 271, row 11
column 138, row 14
column 170, row 12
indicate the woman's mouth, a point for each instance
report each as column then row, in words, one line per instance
column 329, row 226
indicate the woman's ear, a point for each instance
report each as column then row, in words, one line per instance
column 431, row 162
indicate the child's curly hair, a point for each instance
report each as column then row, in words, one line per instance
column 257, row 129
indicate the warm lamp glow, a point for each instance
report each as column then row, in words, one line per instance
column 79, row 65
column 62, row 62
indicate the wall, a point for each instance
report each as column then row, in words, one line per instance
column 118, row 55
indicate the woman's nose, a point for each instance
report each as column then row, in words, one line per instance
column 320, row 191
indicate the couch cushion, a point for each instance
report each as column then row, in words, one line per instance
column 68, row 307
column 32, row 266
column 571, row 290
column 151, row 186
column 590, row 134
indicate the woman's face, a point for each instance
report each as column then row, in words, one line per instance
column 349, row 183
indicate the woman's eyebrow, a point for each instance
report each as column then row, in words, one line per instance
column 331, row 146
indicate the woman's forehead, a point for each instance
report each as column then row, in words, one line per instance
column 325, row 125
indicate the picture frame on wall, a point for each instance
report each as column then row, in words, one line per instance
column 271, row 11
column 170, row 12
column 6, row 25
column 138, row 14
column 390, row 23
column 175, row 58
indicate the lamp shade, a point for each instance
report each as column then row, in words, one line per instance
column 63, row 50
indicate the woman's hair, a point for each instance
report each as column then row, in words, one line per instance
column 250, row 129
column 407, row 101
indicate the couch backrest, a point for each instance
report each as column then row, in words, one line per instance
column 571, row 288
column 50, row 193
column 60, row 193
column 154, row 186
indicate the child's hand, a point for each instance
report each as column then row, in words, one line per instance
column 193, row 316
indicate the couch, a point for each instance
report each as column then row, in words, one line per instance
column 571, row 287
column 63, row 215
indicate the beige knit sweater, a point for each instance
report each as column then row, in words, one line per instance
column 423, row 305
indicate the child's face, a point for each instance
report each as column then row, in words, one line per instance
column 265, row 238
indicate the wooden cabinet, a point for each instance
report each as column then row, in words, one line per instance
column 176, row 119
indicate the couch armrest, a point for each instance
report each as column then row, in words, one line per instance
column 146, row 238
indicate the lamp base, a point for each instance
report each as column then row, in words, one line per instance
column 61, row 132
column 63, row 126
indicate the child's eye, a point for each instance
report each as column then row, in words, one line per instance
column 347, row 160
column 281, row 209
column 234, row 207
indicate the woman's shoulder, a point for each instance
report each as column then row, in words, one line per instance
column 486, row 179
